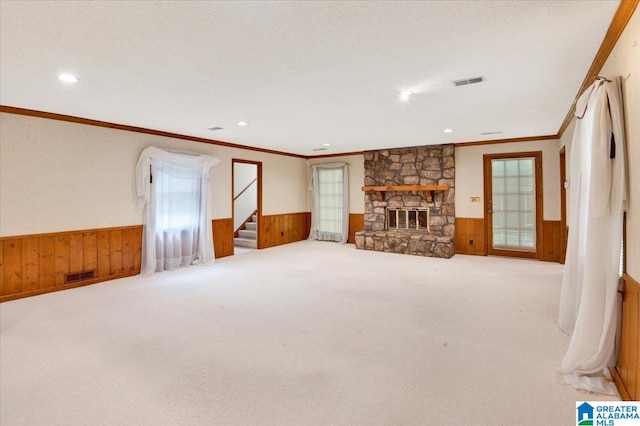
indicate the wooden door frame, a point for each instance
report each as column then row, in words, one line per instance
column 488, row 216
column 564, row 231
column 259, row 201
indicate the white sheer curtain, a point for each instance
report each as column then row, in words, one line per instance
column 589, row 303
column 330, row 202
column 173, row 190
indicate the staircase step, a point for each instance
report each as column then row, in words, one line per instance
column 246, row 233
column 251, row 226
column 245, row 242
column 254, row 218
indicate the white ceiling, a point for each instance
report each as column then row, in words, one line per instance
column 305, row 73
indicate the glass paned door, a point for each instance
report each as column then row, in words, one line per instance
column 513, row 202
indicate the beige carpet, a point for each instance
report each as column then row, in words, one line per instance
column 308, row 333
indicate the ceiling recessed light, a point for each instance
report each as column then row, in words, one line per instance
column 448, row 130
column 243, row 123
column 404, row 95
column 68, row 78
column 326, row 144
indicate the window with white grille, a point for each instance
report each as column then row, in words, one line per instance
column 514, row 203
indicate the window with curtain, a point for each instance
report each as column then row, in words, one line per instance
column 330, row 210
column 173, row 190
column 176, row 195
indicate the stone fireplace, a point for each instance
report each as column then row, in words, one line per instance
column 409, row 201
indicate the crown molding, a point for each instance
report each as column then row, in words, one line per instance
column 106, row 124
column 618, row 24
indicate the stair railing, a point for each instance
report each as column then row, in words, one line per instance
column 245, row 188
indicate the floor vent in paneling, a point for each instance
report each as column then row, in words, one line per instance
column 79, row 276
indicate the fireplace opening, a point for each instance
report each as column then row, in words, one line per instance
column 414, row 219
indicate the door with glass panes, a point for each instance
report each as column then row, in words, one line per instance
column 513, row 203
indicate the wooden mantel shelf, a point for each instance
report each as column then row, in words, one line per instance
column 428, row 189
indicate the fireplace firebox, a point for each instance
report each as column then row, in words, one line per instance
column 412, row 219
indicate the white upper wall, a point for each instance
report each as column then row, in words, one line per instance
column 60, row 176
column 470, row 175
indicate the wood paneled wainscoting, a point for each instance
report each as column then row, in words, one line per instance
column 223, row 237
column 627, row 370
column 551, row 241
column 36, row 264
column 470, row 238
column 356, row 223
column 278, row 229
column 42, row 263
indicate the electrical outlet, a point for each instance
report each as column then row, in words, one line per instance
column 282, row 233
column 470, row 242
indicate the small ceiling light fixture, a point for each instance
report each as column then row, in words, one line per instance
column 243, row 123
column 68, row 78
column 326, row 144
column 448, row 130
column 405, row 95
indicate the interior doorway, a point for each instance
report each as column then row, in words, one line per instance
column 564, row 230
column 246, row 180
column 513, row 204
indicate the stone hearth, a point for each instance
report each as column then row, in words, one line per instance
column 425, row 165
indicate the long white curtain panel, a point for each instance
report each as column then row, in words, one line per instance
column 330, row 202
column 173, row 191
column 589, row 302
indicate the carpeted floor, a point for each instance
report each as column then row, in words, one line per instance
column 308, row 333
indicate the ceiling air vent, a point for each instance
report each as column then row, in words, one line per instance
column 467, row 81
column 491, row 133
column 319, row 149
column 213, row 129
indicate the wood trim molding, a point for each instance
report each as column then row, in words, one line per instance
column 511, row 140
column 487, row 177
column 626, row 373
column 75, row 231
column 258, row 165
column 90, row 122
column 624, row 395
column 564, row 232
column 618, row 24
column 108, row 125
column 341, row 154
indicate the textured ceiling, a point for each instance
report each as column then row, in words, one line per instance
column 305, row 73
